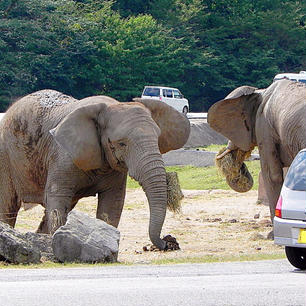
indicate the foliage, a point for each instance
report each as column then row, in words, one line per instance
column 37, row 50
column 204, row 47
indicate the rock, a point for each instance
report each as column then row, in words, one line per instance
column 257, row 236
column 43, row 243
column 15, row 248
column 270, row 235
column 233, row 221
column 85, row 239
column 201, row 134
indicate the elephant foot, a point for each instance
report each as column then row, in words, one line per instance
column 171, row 245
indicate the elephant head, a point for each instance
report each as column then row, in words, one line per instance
column 127, row 137
column 235, row 118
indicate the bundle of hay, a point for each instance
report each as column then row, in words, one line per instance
column 174, row 192
column 231, row 165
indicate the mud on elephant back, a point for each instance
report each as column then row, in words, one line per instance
column 55, row 149
column 272, row 119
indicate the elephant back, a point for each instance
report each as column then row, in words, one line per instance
column 38, row 112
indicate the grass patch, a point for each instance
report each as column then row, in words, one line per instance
column 207, row 178
column 184, row 260
column 215, row 258
column 131, row 183
column 54, row 265
column 212, row 148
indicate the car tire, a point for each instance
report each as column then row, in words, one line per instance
column 185, row 110
column 296, row 256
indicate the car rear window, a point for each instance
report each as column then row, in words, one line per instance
column 296, row 176
column 151, row 92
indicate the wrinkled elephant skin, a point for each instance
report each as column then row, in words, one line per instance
column 273, row 119
column 55, row 149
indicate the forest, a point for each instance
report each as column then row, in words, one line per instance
column 205, row 48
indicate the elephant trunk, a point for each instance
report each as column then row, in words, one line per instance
column 147, row 167
column 230, row 161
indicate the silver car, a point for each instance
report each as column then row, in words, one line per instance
column 290, row 213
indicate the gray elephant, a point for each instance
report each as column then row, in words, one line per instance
column 55, row 149
column 274, row 119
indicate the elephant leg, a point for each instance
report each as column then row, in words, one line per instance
column 10, row 205
column 57, row 208
column 43, row 226
column 272, row 173
column 111, row 199
column 9, row 201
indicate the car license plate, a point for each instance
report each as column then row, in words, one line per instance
column 302, row 236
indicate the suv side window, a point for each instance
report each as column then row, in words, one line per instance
column 296, row 176
column 177, row 94
column 169, row 93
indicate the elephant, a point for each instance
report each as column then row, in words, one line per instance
column 55, row 149
column 273, row 119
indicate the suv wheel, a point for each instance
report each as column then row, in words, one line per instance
column 185, row 110
column 297, row 257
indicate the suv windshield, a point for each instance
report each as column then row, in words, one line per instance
column 151, row 92
column 296, row 176
column 177, row 94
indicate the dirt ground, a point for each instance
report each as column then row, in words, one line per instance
column 217, row 223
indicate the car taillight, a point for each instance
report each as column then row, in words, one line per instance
column 278, row 209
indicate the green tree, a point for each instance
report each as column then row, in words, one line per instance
column 37, row 50
column 131, row 52
column 204, row 47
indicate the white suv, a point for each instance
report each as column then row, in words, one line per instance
column 171, row 96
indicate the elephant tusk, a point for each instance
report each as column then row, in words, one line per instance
column 223, row 154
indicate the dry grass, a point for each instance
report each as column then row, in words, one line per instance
column 174, row 192
column 232, row 166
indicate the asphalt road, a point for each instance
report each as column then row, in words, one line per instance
column 242, row 283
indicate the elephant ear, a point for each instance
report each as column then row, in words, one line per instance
column 174, row 126
column 234, row 117
column 77, row 134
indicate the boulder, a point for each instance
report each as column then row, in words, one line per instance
column 201, row 134
column 15, row 248
column 85, row 239
column 43, row 243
